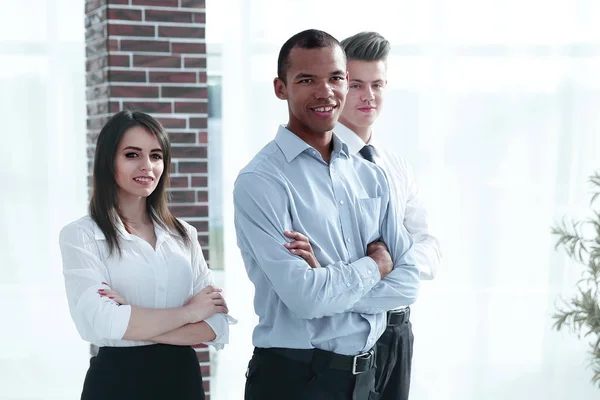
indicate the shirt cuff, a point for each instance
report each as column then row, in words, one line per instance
column 219, row 323
column 369, row 273
column 120, row 321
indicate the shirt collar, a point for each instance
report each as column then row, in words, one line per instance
column 292, row 146
column 354, row 142
column 161, row 233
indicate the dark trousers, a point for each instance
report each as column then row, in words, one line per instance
column 394, row 359
column 271, row 376
column 154, row 372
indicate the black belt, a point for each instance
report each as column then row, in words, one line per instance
column 398, row 317
column 355, row 364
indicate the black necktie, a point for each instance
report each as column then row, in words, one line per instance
column 368, row 153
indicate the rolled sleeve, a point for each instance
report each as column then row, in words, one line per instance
column 219, row 323
column 97, row 318
column 203, row 277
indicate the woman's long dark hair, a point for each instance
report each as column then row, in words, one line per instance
column 104, row 207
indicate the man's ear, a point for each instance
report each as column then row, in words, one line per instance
column 280, row 89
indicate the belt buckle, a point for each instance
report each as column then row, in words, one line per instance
column 364, row 356
column 389, row 318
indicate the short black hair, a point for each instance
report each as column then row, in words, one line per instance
column 366, row 46
column 308, row 39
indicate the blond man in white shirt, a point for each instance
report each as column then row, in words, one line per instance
column 367, row 54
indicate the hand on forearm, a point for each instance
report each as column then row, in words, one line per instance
column 378, row 251
column 187, row 335
column 146, row 323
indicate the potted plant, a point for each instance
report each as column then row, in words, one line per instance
column 581, row 241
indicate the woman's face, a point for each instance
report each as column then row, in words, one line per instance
column 138, row 163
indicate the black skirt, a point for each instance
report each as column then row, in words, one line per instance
column 154, row 372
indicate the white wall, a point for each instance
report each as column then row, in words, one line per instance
column 495, row 104
column 42, row 109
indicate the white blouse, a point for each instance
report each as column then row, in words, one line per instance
column 163, row 278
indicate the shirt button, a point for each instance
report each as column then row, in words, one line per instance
column 370, row 272
column 348, row 284
column 349, row 240
column 372, row 280
column 342, row 202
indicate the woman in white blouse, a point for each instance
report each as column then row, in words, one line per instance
column 136, row 280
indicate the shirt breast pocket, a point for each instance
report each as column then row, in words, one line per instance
column 370, row 212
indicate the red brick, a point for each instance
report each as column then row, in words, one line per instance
column 202, row 197
column 186, row 92
column 203, row 137
column 182, row 196
column 199, row 123
column 156, row 61
column 191, row 107
column 174, row 168
column 179, row 182
column 173, row 77
column 169, row 16
column 127, row 76
column 118, row 1
column 170, row 123
column 193, row 3
column 205, row 370
column 202, row 356
column 200, row 18
column 145, row 45
column 187, row 32
column 157, row 3
column 201, row 226
column 189, row 152
column 203, row 240
column 124, row 14
column 199, row 181
column 130, row 30
column 206, row 253
column 188, row 48
column 118, row 60
column 192, row 167
column 194, row 211
column 182, row 137
column 134, row 91
column 201, row 76
column 206, row 384
column 113, row 45
column 115, row 106
column 149, row 107
column 194, row 62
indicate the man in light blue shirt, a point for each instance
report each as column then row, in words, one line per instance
column 317, row 326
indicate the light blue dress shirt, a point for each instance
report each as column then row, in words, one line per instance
column 342, row 207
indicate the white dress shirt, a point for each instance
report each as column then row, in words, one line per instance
column 163, row 278
column 406, row 195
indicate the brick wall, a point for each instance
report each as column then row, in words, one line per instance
column 150, row 55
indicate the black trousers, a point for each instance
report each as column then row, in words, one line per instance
column 271, row 376
column 394, row 359
column 154, row 372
